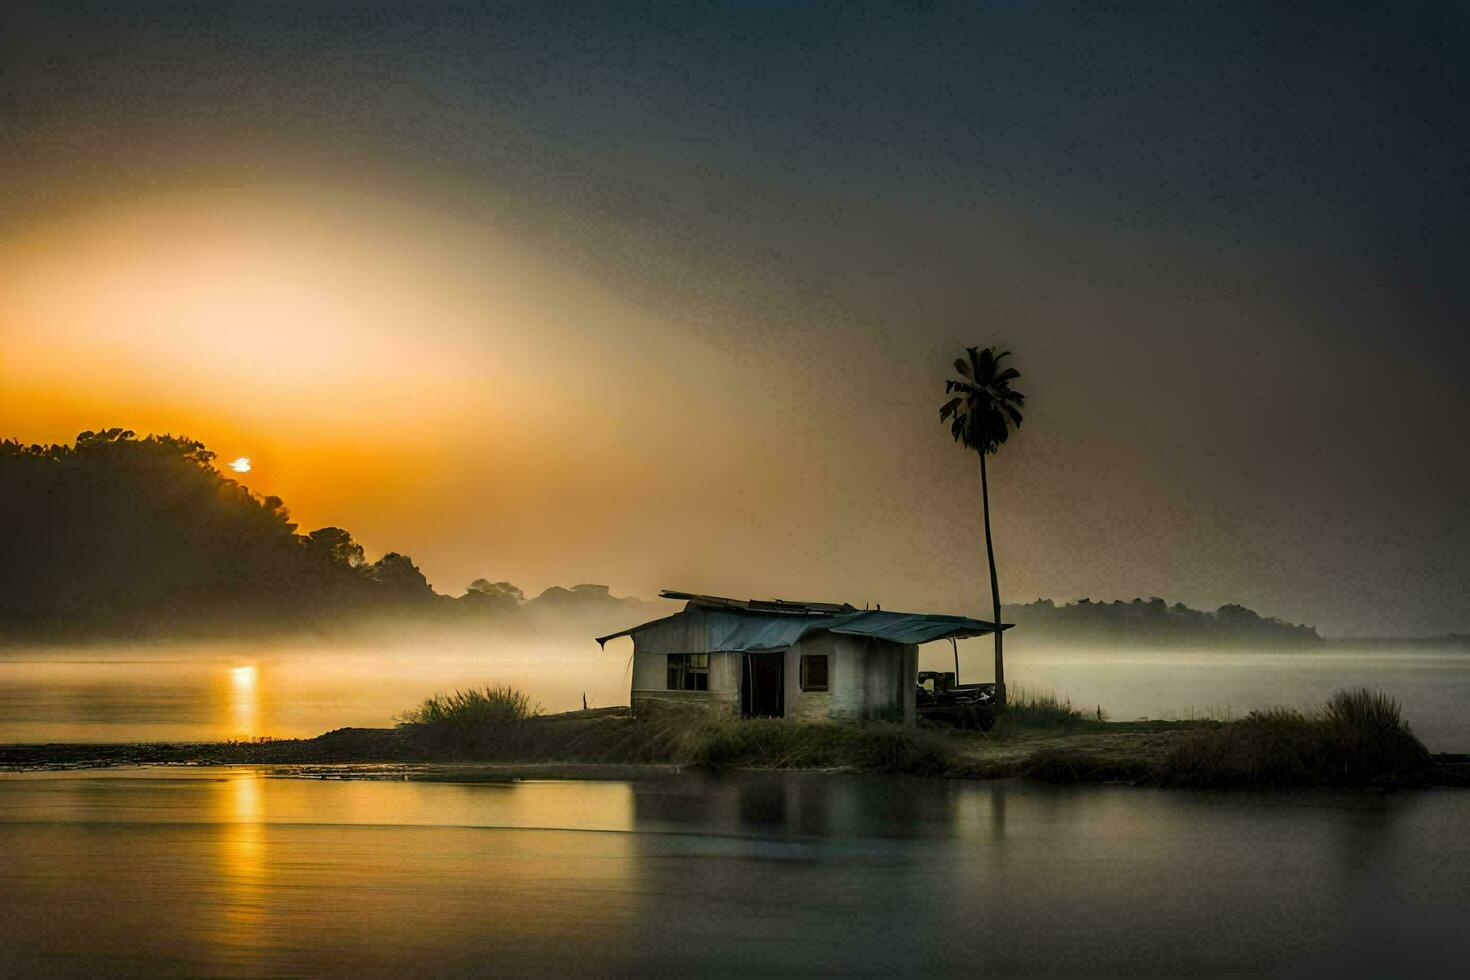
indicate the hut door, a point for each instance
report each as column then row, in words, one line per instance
column 763, row 685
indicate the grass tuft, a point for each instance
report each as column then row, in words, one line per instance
column 1367, row 714
column 1357, row 736
column 1037, row 709
column 470, row 720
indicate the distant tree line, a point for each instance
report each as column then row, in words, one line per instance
column 117, row 535
column 1154, row 621
column 121, row 536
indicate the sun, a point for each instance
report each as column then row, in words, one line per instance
column 241, row 465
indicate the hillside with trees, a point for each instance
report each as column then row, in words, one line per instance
column 1154, row 622
column 120, row 536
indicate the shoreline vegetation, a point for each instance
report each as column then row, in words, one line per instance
column 1357, row 738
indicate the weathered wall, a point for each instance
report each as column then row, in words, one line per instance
column 645, row 702
column 651, row 673
column 866, row 679
column 870, row 689
column 909, row 684
column 810, row 706
column 683, row 633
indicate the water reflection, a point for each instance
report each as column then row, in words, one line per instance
column 794, row 804
column 238, row 917
column 244, row 700
column 234, row 872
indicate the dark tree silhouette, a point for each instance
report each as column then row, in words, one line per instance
column 485, row 596
column 981, row 415
column 120, row 535
column 400, row 579
column 336, row 545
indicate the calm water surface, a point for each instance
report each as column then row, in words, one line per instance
column 233, row 872
column 227, row 690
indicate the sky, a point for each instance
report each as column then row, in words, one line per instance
column 665, row 296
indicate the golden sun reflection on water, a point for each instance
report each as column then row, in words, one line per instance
column 414, row 865
column 245, row 701
column 237, row 922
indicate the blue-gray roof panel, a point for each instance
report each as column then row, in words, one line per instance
column 752, row 632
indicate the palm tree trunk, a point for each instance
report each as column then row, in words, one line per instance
column 1000, row 660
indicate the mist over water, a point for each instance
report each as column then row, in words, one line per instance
column 283, row 689
column 303, row 687
column 1431, row 683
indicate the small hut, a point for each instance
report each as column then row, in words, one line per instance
column 812, row 661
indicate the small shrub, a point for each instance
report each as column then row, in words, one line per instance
column 1357, row 736
column 470, row 720
column 1368, row 733
column 487, row 705
column 1364, row 711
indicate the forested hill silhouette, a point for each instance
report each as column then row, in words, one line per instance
column 122, row 536
column 1154, row 621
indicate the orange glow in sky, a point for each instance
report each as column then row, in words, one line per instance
column 495, row 408
column 391, row 370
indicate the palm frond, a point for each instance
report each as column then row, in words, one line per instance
column 981, row 363
column 985, row 408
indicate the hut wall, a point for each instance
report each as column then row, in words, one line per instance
column 681, row 633
column 866, row 679
column 910, row 682
column 684, row 633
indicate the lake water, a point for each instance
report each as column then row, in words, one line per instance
column 232, row 872
column 231, row 690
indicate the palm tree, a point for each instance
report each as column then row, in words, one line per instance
column 981, row 415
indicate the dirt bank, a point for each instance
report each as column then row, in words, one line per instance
column 609, row 744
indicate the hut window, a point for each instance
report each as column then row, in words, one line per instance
column 813, row 671
column 688, row 672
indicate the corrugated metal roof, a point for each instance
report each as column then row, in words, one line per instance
column 759, row 605
column 902, row 627
column 752, row 632
column 743, row 630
